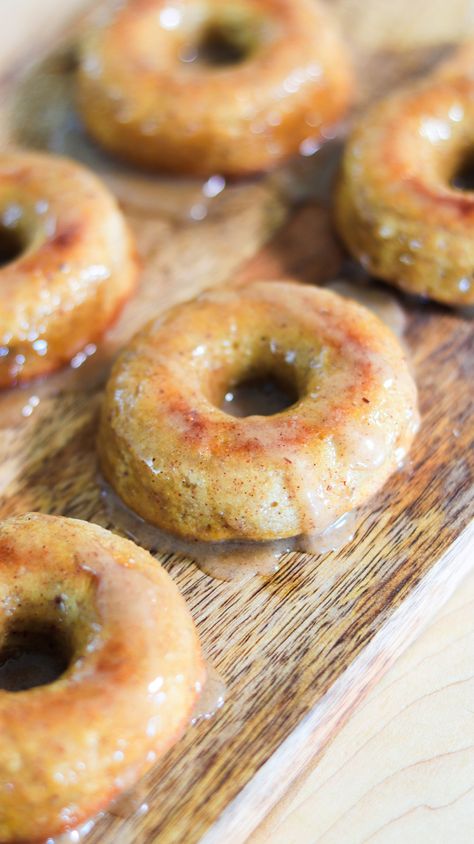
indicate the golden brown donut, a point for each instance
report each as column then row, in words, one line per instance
column 205, row 86
column 188, row 467
column 133, row 670
column 397, row 209
column 68, row 263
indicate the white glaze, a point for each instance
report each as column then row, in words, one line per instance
column 133, row 804
column 74, row 836
column 211, row 698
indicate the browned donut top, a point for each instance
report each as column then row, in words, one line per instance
column 187, row 466
column 132, row 668
column 74, row 266
column 201, row 84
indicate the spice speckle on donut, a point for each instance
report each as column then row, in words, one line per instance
column 205, row 86
column 132, row 674
column 68, row 263
column 398, row 208
column 182, row 463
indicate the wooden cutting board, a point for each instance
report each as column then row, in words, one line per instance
column 299, row 649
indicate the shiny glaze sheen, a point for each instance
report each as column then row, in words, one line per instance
column 76, row 270
column 69, row 747
column 397, row 209
column 144, row 100
column 183, row 464
column 231, row 560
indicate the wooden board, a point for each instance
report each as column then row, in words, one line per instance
column 299, row 649
column 402, row 768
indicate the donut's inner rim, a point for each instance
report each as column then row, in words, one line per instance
column 258, row 364
column 219, row 45
column 462, row 177
column 33, row 652
column 13, row 243
column 259, row 394
column 224, row 38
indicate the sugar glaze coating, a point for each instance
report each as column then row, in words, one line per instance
column 69, row 747
column 157, row 87
column 183, row 464
column 75, row 268
column 397, row 209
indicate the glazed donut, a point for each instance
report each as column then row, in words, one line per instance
column 397, row 209
column 203, row 86
column 185, row 465
column 68, row 263
column 132, row 670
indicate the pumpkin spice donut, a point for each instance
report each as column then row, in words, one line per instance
column 68, row 263
column 398, row 208
column 203, row 86
column 183, row 464
column 131, row 670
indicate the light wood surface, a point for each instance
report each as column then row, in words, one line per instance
column 30, row 26
column 402, row 768
column 298, row 651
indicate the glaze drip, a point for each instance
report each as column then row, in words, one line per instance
column 227, row 561
column 212, row 696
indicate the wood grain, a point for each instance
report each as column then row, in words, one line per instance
column 402, row 768
column 297, row 650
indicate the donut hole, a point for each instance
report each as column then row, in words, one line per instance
column 227, row 37
column 33, row 653
column 463, row 176
column 222, row 44
column 12, row 244
column 259, row 395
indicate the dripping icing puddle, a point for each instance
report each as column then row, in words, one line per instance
column 228, row 561
column 87, row 370
column 211, row 698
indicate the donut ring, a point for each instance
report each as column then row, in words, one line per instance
column 134, row 664
column 396, row 208
column 188, row 467
column 71, row 268
column 283, row 79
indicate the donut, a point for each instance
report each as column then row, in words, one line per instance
column 68, row 263
column 131, row 670
column 398, row 209
column 185, row 465
column 203, row 86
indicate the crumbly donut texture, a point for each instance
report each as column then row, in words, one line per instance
column 396, row 208
column 70, row 746
column 75, row 266
column 186, row 466
column 206, row 86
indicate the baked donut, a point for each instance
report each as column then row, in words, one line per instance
column 397, row 208
column 183, row 464
column 205, row 86
column 132, row 667
column 68, row 263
